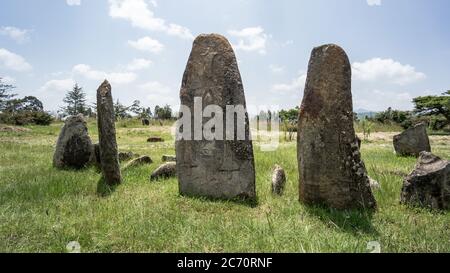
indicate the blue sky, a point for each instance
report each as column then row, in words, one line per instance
column 399, row 49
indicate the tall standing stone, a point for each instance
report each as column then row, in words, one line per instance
column 109, row 158
column 74, row 148
column 222, row 169
column 329, row 161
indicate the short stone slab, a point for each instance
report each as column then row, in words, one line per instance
column 140, row 161
column 74, row 148
column 125, row 156
column 428, row 185
column 169, row 158
column 166, row 170
column 155, row 139
column 412, row 141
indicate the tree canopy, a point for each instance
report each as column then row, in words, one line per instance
column 434, row 106
column 75, row 101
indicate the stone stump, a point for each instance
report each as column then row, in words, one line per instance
column 109, row 158
column 278, row 180
column 218, row 167
column 428, row 185
column 74, row 148
column 329, row 161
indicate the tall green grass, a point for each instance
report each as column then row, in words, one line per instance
column 43, row 209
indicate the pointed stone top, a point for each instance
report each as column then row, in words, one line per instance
column 106, row 83
column 104, row 88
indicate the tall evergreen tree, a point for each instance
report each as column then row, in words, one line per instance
column 5, row 94
column 75, row 101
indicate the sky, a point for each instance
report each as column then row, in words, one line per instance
column 399, row 49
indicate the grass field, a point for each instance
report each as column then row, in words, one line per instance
column 43, row 209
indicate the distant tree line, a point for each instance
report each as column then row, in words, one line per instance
column 433, row 110
column 75, row 103
column 21, row 111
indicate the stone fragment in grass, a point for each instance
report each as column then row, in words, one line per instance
column 155, row 139
column 143, row 160
column 375, row 185
column 125, row 156
column 428, row 185
column 278, row 180
column 169, row 158
column 332, row 172
column 412, row 141
column 166, row 170
column 74, row 148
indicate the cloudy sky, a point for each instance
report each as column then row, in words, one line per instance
column 399, row 49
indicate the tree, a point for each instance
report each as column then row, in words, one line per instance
column 289, row 119
column 436, row 106
column 75, row 101
column 5, row 94
column 163, row 113
column 121, row 111
column 135, row 108
column 29, row 104
column 28, row 110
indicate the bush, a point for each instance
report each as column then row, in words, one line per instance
column 26, row 118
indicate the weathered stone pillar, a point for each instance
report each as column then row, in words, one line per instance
column 220, row 167
column 109, row 158
column 329, row 161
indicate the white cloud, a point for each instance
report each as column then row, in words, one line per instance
column 374, row 2
column 297, row 84
column 379, row 100
column 386, row 70
column 250, row 39
column 73, row 2
column 58, row 85
column 157, row 93
column 8, row 80
column 277, row 69
column 155, row 88
column 114, row 77
column 140, row 15
column 17, row 34
column 12, row 61
column 147, row 44
column 139, row 64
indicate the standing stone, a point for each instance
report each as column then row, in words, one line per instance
column 222, row 169
column 74, row 148
column 412, row 141
column 278, row 180
column 329, row 161
column 107, row 135
column 95, row 158
column 429, row 184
